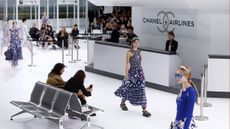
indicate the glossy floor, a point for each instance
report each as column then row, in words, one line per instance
column 17, row 83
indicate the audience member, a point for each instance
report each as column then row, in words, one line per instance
column 76, row 85
column 54, row 77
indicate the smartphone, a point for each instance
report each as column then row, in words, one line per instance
column 91, row 86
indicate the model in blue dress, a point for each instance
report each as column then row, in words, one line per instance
column 185, row 100
column 15, row 45
column 133, row 86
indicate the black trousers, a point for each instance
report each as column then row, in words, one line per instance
column 83, row 101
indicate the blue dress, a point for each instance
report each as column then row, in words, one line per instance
column 185, row 105
column 133, row 89
column 15, row 46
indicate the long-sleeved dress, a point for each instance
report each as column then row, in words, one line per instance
column 185, row 105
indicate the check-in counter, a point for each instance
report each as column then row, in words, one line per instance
column 159, row 66
column 218, row 74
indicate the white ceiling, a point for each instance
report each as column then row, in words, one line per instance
column 179, row 4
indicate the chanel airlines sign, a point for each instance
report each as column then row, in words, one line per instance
column 182, row 22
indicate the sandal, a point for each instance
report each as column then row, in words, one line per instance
column 123, row 107
column 146, row 114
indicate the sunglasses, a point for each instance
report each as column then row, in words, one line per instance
column 177, row 75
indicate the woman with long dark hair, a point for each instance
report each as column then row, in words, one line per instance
column 133, row 86
column 54, row 77
column 76, row 85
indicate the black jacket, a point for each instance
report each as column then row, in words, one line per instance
column 115, row 35
column 75, row 33
column 74, row 86
column 174, row 45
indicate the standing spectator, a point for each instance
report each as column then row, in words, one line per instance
column 115, row 34
column 130, row 34
column 44, row 19
column 5, row 29
column 74, row 34
column 25, row 34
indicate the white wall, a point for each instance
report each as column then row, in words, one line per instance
column 212, row 38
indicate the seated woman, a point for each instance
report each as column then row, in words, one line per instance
column 76, row 85
column 42, row 34
column 63, row 36
column 34, row 32
column 50, row 36
column 54, row 77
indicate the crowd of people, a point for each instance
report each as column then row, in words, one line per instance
column 132, row 88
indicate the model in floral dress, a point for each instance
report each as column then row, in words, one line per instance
column 15, row 45
column 133, row 86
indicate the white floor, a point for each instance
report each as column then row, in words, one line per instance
column 17, row 83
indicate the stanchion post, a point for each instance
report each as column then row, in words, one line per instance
column 201, row 117
column 206, row 88
column 31, row 55
column 77, row 54
column 63, row 51
column 87, row 44
column 72, row 45
column 69, row 48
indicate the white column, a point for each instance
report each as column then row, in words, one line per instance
column 47, row 8
column 17, row 11
column 57, row 15
column 35, row 12
column 31, row 12
column 78, row 14
column 67, row 11
column 39, row 15
column 86, row 14
column 74, row 14
column 6, row 8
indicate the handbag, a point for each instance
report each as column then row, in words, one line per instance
column 9, row 55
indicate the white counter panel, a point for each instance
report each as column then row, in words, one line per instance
column 158, row 68
column 218, row 75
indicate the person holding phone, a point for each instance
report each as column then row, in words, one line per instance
column 76, row 85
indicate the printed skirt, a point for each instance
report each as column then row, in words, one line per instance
column 133, row 88
column 180, row 125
